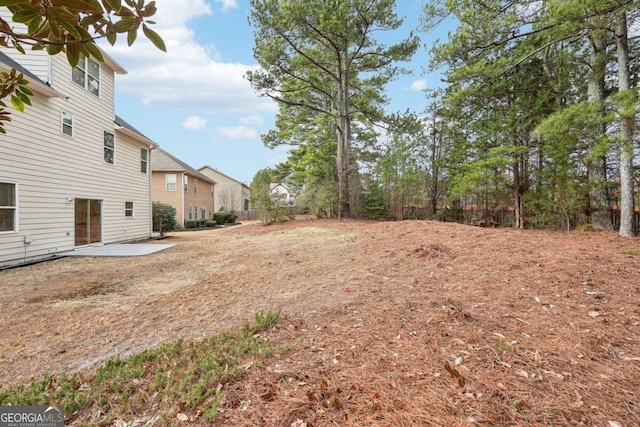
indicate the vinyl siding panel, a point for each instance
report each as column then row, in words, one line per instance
column 201, row 199
column 159, row 193
column 35, row 61
column 226, row 187
column 51, row 169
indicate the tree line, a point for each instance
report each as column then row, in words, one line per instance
column 535, row 125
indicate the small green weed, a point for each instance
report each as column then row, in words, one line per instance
column 630, row 252
column 188, row 377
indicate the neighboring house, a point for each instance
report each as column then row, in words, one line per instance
column 231, row 194
column 282, row 193
column 71, row 173
column 181, row 186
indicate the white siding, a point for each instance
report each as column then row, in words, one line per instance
column 52, row 169
column 36, row 61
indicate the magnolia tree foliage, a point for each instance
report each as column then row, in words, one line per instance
column 70, row 27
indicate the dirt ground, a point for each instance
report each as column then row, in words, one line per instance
column 387, row 323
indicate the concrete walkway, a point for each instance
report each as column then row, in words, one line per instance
column 118, row 249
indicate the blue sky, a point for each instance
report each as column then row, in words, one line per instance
column 194, row 100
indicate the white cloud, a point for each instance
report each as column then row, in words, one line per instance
column 235, row 132
column 194, row 123
column 188, row 76
column 419, row 85
column 228, row 4
column 252, row 120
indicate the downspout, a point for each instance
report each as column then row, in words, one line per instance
column 184, row 217
column 150, row 182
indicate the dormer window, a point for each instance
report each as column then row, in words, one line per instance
column 87, row 75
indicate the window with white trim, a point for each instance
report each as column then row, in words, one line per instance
column 190, row 212
column 87, row 75
column 144, row 160
column 195, row 185
column 203, row 213
column 8, row 207
column 185, row 181
column 66, row 119
column 128, row 209
column 195, row 215
column 109, row 148
column 171, row 181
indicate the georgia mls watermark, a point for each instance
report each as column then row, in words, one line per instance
column 31, row 416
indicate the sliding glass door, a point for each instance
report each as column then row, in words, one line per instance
column 88, row 223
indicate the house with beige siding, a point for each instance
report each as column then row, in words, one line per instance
column 177, row 184
column 231, row 195
column 72, row 173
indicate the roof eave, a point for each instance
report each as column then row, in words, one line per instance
column 136, row 136
column 38, row 86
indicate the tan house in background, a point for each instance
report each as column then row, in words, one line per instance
column 231, row 195
column 181, row 186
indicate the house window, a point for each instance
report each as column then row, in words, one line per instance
column 128, row 209
column 190, row 212
column 8, row 207
column 144, row 159
column 67, row 123
column 109, row 148
column 211, row 190
column 171, row 182
column 195, row 213
column 185, row 180
column 195, row 185
column 87, row 75
column 203, row 213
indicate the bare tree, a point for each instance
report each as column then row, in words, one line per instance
column 229, row 200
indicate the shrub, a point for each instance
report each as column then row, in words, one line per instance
column 164, row 217
column 222, row 217
column 210, row 223
column 192, row 223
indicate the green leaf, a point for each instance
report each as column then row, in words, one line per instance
column 154, row 37
column 111, row 38
column 34, row 25
column 73, row 54
column 23, row 97
column 53, row 49
column 25, row 16
column 131, row 36
column 90, row 49
column 12, row 2
column 17, row 103
column 26, row 91
column 150, row 9
column 72, row 29
column 85, row 6
column 125, row 24
column 113, row 4
column 90, row 20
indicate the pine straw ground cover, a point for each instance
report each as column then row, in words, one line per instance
column 382, row 323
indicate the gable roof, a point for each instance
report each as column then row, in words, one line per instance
column 127, row 129
column 163, row 161
column 225, row 175
column 38, row 85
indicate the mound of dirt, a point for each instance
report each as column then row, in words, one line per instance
column 386, row 323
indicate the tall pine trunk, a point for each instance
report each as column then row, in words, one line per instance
column 627, row 202
column 599, row 208
column 344, row 139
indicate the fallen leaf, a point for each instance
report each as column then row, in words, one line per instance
column 455, row 374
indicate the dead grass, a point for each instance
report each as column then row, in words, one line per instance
column 410, row 323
